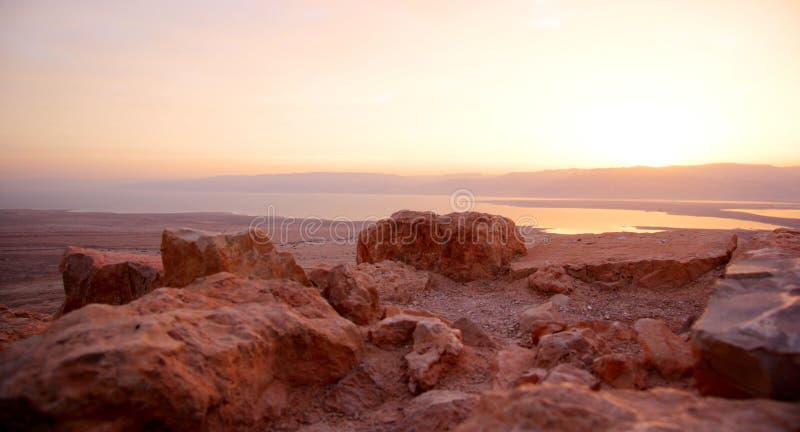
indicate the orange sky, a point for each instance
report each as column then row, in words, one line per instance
column 197, row 88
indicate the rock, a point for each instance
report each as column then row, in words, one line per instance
column 567, row 373
column 473, row 335
column 666, row 351
column 395, row 281
column 567, row 408
column 438, row 410
column 378, row 378
column 551, row 280
column 436, row 349
column 353, row 295
column 318, row 276
column 188, row 254
column 578, row 346
column 541, row 320
column 747, row 343
column 635, row 260
column 463, row 246
column 17, row 324
column 356, row 393
column 620, row 371
column 93, row 276
column 220, row 354
column 512, row 363
column 394, row 331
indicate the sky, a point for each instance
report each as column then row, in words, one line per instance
column 154, row 89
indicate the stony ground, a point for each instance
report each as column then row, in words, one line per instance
column 375, row 395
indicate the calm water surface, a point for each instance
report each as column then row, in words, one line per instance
column 363, row 206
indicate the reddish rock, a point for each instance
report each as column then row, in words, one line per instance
column 551, row 280
column 438, row 410
column 353, row 295
column 436, row 349
column 620, row 371
column 567, row 373
column 541, row 320
column 747, row 343
column 17, row 324
column 188, row 254
column 568, row 408
column 511, row 363
column 394, row 331
column 463, row 246
column 577, row 346
column 395, row 282
column 666, row 351
column 93, row 276
column 318, row 276
column 221, row 354
column 473, row 335
column 531, row 376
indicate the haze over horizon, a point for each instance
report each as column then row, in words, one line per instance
column 92, row 89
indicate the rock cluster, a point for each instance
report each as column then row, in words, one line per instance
column 93, row 276
column 219, row 354
column 463, row 246
column 436, row 346
column 748, row 341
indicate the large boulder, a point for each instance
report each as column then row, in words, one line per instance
column 353, row 295
column 188, row 254
column 747, row 343
column 463, row 246
column 568, row 407
column 93, row 276
column 220, row 354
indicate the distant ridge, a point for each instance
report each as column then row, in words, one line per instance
column 729, row 182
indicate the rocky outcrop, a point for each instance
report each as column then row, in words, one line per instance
column 747, row 343
column 188, row 254
column 353, row 295
column 667, row 352
column 463, row 246
column 221, row 354
column 93, row 276
column 17, row 324
column 567, row 407
column 627, row 260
